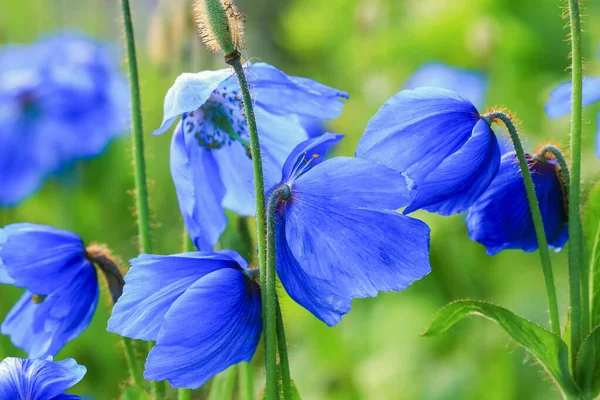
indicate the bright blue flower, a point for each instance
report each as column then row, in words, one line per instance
column 25, row 379
column 501, row 219
column 472, row 85
column 339, row 236
column 209, row 162
column 61, row 99
column 560, row 101
column 439, row 142
column 203, row 309
column 62, row 287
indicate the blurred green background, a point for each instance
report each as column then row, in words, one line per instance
column 368, row 48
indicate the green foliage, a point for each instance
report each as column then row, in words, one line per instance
column 591, row 230
column 223, row 385
column 547, row 348
column 134, row 393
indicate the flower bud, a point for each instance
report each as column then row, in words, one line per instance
column 221, row 26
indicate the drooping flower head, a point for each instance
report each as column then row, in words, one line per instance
column 203, row 309
column 26, row 379
column 560, row 101
column 500, row 219
column 211, row 168
column 338, row 234
column 438, row 140
column 62, row 286
column 61, row 99
column 472, row 85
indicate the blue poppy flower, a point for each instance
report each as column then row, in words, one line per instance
column 560, row 101
column 25, row 379
column 500, row 219
column 472, row 85
column 62, row 98
column 338, row 234
column 62, row 287
column 439, row 142
column 209, row 160
column 203, row 309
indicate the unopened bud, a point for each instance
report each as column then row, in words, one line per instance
column 221, row 26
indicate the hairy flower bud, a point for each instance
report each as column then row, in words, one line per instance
column 221, row 25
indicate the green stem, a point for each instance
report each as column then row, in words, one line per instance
column 283, row 356
column 268, row 309
column 132, row 364
column 139, row 163
column 575, row 236
column 246, row 381
column 184, row 394
column 537, row 219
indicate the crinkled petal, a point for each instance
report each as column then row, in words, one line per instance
column 216, row 323
column 339, row 230
column 560, row 98
column 319, row 296
column 470, row 84
column 154, row 283
column 189, row 92
column 416, row 129
column 38, row 379
column 282, row 94
column 42, row 258
column 200, row 191
column 462, row 177
column 42, row 329
column 501, row 219
column 308, row 154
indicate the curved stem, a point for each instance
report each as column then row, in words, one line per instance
column 537, row 219
column 268, row 307
column 139, row 163
column 575, row 236
column 283, row 356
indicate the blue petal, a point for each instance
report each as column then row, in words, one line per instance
column 363, row 249
column 469, row 84
column 200, row 191
column 37, row 379
column 314, row 127
column 416, row 129
column 4, row 276
column 153, row 283
column 282, row 94
column 308, row 154
column 226, row 309
column 42, row 258
column 44, row 328
column 188, row 93
column 501, row 219
column 462, row 177
column 560, row 98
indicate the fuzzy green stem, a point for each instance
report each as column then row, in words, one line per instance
column 245, row 381
column 268, row 307
column 139, row 162
column 575, row 236
column 132, row 363
column 283, row 356
column 537, row 219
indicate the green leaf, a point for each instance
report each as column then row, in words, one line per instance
column 587, row 371
column 591, row 231
column 546, row 347
column 134, row 393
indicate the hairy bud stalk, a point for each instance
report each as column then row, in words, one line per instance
column 221, row 26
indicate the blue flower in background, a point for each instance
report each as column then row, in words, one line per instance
column 209, row 160
column 62, row 98
column 501, row 219
column 439, row 142
column 25, row 379
column 62, row 287
column 560, row 101
column 472, row 85
column 339, row 236
column 203, row 309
